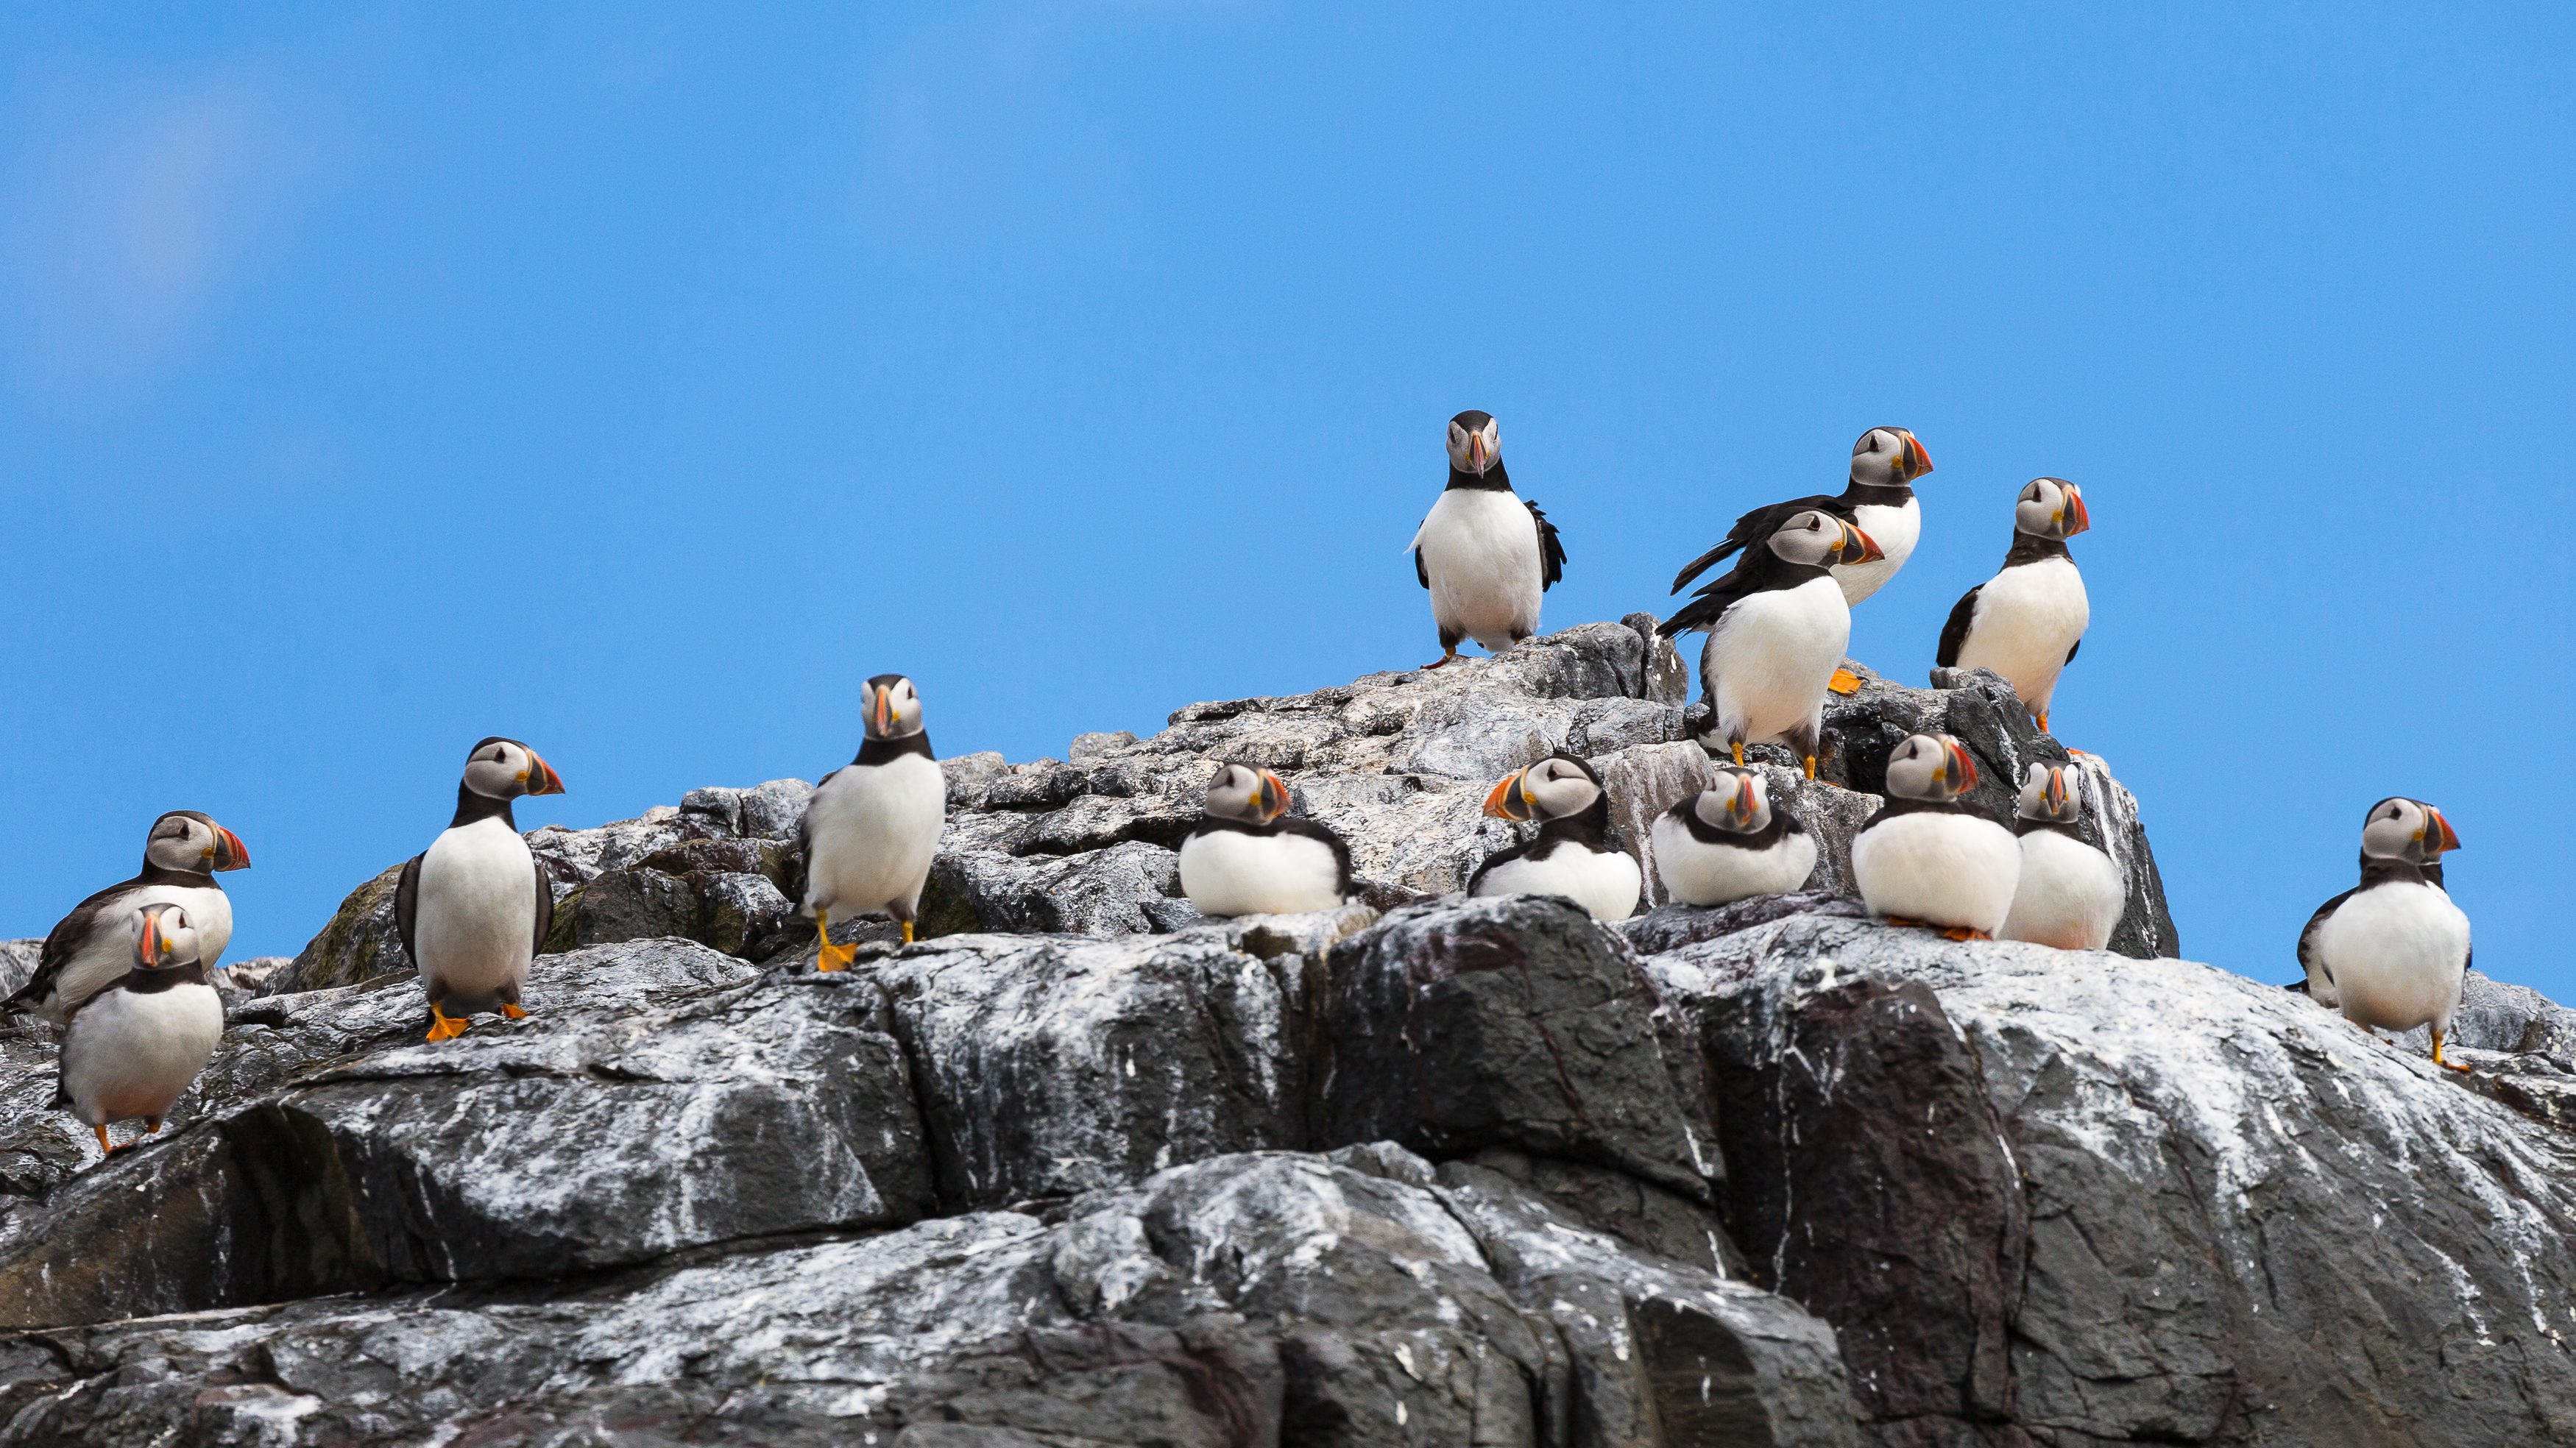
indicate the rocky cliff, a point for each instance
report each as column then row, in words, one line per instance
column 1081, row 1169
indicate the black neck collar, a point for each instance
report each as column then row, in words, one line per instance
column 472, row 807
column 2028, row 548
column 2377, row 871
column 1589, row 828
column 1958, row 806
column 140, row 981
column 884, row 751
column 1782, row 824
column 1495, row 480
column 2022, row 826
column 1883, row 495
column 153, row 874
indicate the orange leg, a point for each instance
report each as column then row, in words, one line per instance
column 2043, row 721
column 104, row 1149
column 1962, row 932
column 1811, row 766
column 2446, row 1065
column 831, row 957
column 442, row 1026
column 1903, row 920
column 1449, row 656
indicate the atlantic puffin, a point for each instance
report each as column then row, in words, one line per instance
column 1485, row 554
column 2026, row 622
column 1573, row 855
column 1727, row 843
column 872, row 825
column 134, row 1045
column 1930, row 858
column 2393, row 951
column 2070, row 895
column 93, row 946
column 1879, row 500
column 1776, row 626
column 1249, row 856
column 473, row 907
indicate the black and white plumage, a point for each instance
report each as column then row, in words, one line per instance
column 2070, row 895
column 1249, row 856
column 1485, row 554
column 1930, row 858
column 1573, row 854
column 1776, row 626
column 1879, row 500
column 1727, row 843
column 872, row 825
column 2026, row 622
column 474, row 907
column 133, row 1046
column 2393, row 951
column 93, row 946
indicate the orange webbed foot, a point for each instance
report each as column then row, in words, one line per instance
column 1962, row 932
column 1844, row 681
column 442, row 1026
column 514, row 1010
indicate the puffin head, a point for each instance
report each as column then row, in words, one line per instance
column 183, row 839
column 1931, row 767
column 1244, row 792
column 2051, row 508
column 1475, row 442
column 2398, row 828
column 501, row 768
column 1887, row 456
column 1822, row 540
column 894, row 707
column 2047, row 794
column 164, row 936
column 1555, row 787
column 1739, row 803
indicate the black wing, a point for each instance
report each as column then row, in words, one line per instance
column 1422, row 570
column 2071, row 648
column 1551, row 553
column 1954, row 634
column 1318, row 830
column 62, row 943
column 1752, row 528
column 2308, row 938
column 545, row 906
column 407, row 907
column 1712, row 601
column 1499, row 857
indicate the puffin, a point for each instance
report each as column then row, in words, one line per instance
column 872, row 825
column 1727, row 843
column 1249, row 856
column 2393, row 951
column 1485, row 554
column 1930, row 858
column 1776, row 626
column 92, row 947
column 134, row 1045
column 473, row 907
column 1573, row 855
column 1879, row 500
column 2026, row 622
column 2070, row 894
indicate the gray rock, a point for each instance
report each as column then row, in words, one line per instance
column 1086, row 746
column 18, row 959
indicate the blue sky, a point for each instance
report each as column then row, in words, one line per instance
column 635, row 381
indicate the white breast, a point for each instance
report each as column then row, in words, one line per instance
column 1939, row 868
column 1768, row 659
column 476, row 919
column 870, row 832
column 1480, row 548
column 1894, row 530
column 2027, row 617
column 1603, row 882
column 2398, row 952
column 127, row 1056
column 2070, row 895
column 1698, row 873
column 1228, row 872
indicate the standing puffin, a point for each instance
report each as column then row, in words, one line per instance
column 2070, row 894
column 473, row 907
column 93, row 946
column 2393, row 951
column 1928, row 857
column 1776, row 627
column 1249, row 856
column 1485, row 555
column 1727, row 844
column 1573, row 855
column 135, row 1044
column 2026, row 622
column 872, row 825
column 1878, row 500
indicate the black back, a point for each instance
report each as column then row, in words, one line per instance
column 1589, row 830
column 75, row 930
column 1759, row 570
column 1783, row 824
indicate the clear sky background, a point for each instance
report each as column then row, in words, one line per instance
column 636, row 381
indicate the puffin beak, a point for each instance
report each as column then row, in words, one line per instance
column 1742, row 806
column 148, row 948
column 1963, row 769
column 1506, row 802
column 229, row 854
column 2056, row 795
column 1917, row 461
column 1272, row 797
column 1855, row 539
column 541, row 777
column 2079, row 517
column 1476, row 453
column 2438, row 833
column 881, row 716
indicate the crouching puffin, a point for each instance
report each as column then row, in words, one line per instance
column 2026, row 622
column 93, row 946
column 1485, row 555
column 1249, row 856
column 2070, row 894
column 134, row 1045
column 1776, row 627
column 1572, row 855
column 1928, row 857
column 1878, row 500
column 872, row 825
column 473, row 907
column 2393, row 951
column 1727, row 843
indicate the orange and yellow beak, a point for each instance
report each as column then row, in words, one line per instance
column 1270, row 797
column 540, row 777
column 229, row 851
column 2438, row 833
column 151, row 945
column 881, row 710
column 1509, row 799
column 1742, row 806
column 1857, row 547
column 1962, row 768
column 2056, row 791
column 2078, row 517
column 1916, row 461
column 1476, row 452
